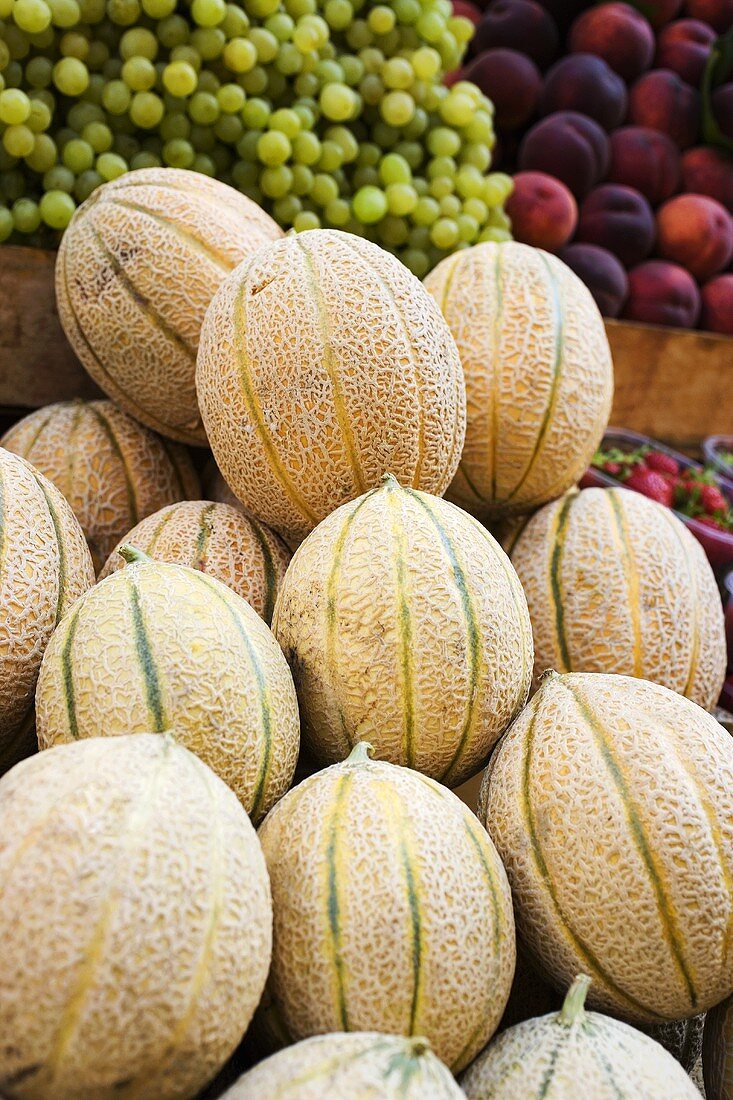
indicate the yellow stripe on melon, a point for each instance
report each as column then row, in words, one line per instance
column 405, row 624
column 616, row 583
column 218, row 540
column 539, row 378
column 136, row 269
column 44, row 566
column 323, row 365
column 164, row 648
column 135, row 917
column 391, row 910
column 610, row 801
column 360, row 1066
column 572, row 1053
column 112, row 471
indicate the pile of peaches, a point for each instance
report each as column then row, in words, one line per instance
column 617, row 123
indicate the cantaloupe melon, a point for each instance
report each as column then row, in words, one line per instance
column 217, row 539
column 323, row 365
column 717, row 1052
column 539, row 378
column 360, row 1066
column 405, row 625
column 112, row 471
column 391, row 910
column 216, row 487
column 136, row 270
column 575, row 1053
column 135, row 918
column 163, row 648
column 616, row 583
column 610, row 801
column 44, row 565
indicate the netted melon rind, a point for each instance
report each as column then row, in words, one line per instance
column 136, row 922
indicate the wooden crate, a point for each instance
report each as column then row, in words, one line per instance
column 671, row 384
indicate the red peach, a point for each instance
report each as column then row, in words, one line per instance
column 570, row 147
column 659, row 12
column 718, row 13
column 602, row 273
column 662, row 294
column 467, row 10
column 511, row 81
column 583, row 82
column 696, row 232
column 708, row 171
column 522, row 25
column 617, row 33
column 722, row 104
column 662, row 101
column 619, row 219
column 542, row 210
column 647, row 160
column 717, row 308
column 684, row 47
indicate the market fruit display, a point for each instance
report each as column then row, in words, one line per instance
column 135, row 273
column 615, row 583
column 352, row 1067
column 323, row 364
column 718, row 1051
column 103, row 843
column 391, row 614
column 538, row 399
column 332, row 115
column 218, row 539
column 648, row 774
column 46, row 565
column 164, row 648
column 119, row 473
column 547, row 1057
column 619, row 137
column 366, row 845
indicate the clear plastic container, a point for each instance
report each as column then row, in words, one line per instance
column 718, row 545
column 713, row 449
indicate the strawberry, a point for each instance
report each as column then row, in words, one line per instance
column 651, row 484
column 711, row 521
column 663, row 464
column 613, row 468
column 712, row 500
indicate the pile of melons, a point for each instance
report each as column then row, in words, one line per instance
column 236, row 867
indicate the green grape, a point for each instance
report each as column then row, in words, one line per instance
column 457, row 109
column 254, row 82
column 358, row 35
column 426, row 211
column 110, row 166
column 306, row 116
column 430, row 26
column 19, row 140
column 331, row 156
column 381, row 19
column 419, row 238
column 281, row 25
column 231, row 98
column 417, row 262
column 393, row 231
column 43, row 155
column 159, row 9
column 265, row 44
column 56, row 208
column 338, row 14
column 178, row 153
column 402, row 198
column 324, row 189
column 499, row 219
column 263, row 8
column 305, row 38
column 202, row 138
column 64, row 13
column 146, row 110
column 256, row 113
column 85, row 184
column 479, row 156
column 306, row 149
column 204, row 164
column 302, row 179
column 306, row 220
column 371, row 89
column 144, row 159
column 71, row 76
column 426, row 63
column 468, row 228
column 493, row 234
column 26, row 215
column 93, row 94
column 338, row 102
column 6, row 223
column 15, row 106
column 286, row 121
column 397, row 73
column 411, row 151
column 276, row 182
column 208, row 82
column 236, row 22
column 289, row 59
column 477, row 209
column 58, row 178
column 337, row 213
column 74, row 44
column 139, row 74
column 123, row 12
column 369, row 204
column 441, row 186
column 208, row 13
column 450, row 206
column 116, row 97
column 209, row 42
column 139, row 42
column 32, row 16
column 329, row 72
column 18, row 47
column 273, row 148
column 245, row 175
column 497, row 187
column 78, row 155
column 203, row 108
column 394, row 169
column 307, row 84
column 417, row 125
column 470, row 182
column 172, row 31
column 229, row 129
column 397, row 108
column 286, row 209
column 390, row 43
column 444, row 233
column 187, row 54
column 480, row 129
column 176, row 125
column 443, row 142
column 92, row 11
column 247, row 145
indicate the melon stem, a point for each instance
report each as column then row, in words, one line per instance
column 419, row 1046
column 573, row 1009
column 131, row 554
column 390, row 480
column 360, row 753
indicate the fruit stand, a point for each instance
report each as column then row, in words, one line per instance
column 366, row 550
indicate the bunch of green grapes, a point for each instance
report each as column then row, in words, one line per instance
column 326, row 112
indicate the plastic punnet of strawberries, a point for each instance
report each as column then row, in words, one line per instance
column 693, row 491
